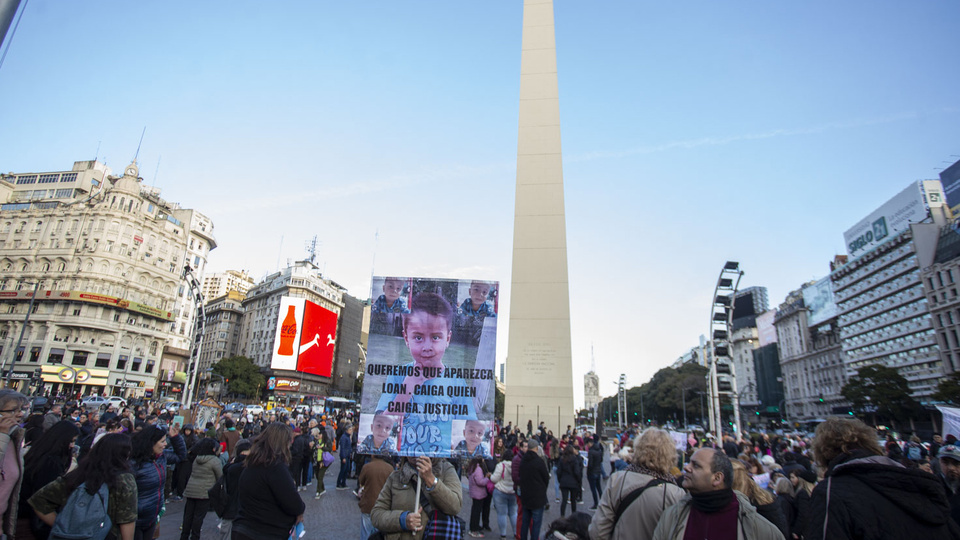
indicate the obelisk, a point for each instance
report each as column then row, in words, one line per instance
column 539, row 381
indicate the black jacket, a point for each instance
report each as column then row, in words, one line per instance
column 874, row 497
column 595, row 460
column 773, row 513
column 269, row 502
column 570, row 472
column 534, row 478
column 232, row 480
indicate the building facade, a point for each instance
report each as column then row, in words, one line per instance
column 217, row 284
column 221, row 337
column 105, row 256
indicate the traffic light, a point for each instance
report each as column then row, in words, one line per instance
column 758, row 413
column 227, row 381
column 850, row 413
column 821, row 398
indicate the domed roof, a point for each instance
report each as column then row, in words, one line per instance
column 130, row 181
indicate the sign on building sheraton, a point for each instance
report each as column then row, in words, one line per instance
column 89, row 297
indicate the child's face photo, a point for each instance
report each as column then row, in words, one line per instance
column 478, row 293
column 382, row 424
column 473, row 434
column 427, row 337
column 392, row 289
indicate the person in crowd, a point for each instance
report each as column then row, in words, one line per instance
column 229, row 435
column 570, row 478
column 533, row 481
column 299, row 450
column 182, row 472
column 175, row 453
column 803, row 481
column 653, row 456
column 269, row 503
column 595, row 472
column 504, row 494
column 322, row 443
column 440, row 502
column 371, row 480
column 33, row 428
column 52, row 416
column 48, row 458
column 764, row 501
column 345, row 446
column 788, row 505
column 712, row 509
column 868, row 496
column 573, row 527
column 13, row 405
column 205, row 473
column 149, row 467
column 949, row 457
column 478, row 478
column 107, row 463
column 231, row 483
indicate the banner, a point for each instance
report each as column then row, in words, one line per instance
column 93, row 298
column 305, row 338
column 429, row 382
column 59, row 373
column 818, row 298
column 951, row 421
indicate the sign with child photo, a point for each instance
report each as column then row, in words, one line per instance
column 428, row 387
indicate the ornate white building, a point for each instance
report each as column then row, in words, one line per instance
column 105, row 255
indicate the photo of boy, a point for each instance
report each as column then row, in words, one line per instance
column 381, row 439
column 476, row 305
column 390, row 301
column 472, row 445
column 428, row 400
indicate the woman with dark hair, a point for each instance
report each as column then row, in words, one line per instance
column 570, row 476
column 33, row 428
column 269, row 502
column 13, row 405
column 150, row 469
column 49, row 457
column 107, row 463
column 478, row 478
column 205, row 473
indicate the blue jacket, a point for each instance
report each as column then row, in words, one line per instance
column 151, row 477
column 346, row 446
column 175, row 452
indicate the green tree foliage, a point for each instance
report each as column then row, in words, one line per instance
column 949, row 390
column 243, row 375
column 881, row 390
column 663, row 397
column 498, row 404
column 358, row 384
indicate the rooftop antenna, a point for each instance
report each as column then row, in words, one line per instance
column 97, row 155
column 279, row 253
column 135, row 156
column 156, row 172
column 312, row 250
column 593, row 361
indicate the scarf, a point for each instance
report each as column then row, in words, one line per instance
column 711, row 502
column 633, row 467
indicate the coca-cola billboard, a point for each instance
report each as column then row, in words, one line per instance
column 305, row 338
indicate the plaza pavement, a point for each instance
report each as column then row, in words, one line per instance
column 336, row 515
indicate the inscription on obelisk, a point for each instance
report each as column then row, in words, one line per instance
column 539, row 379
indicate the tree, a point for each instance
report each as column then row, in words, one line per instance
column 881, row 390
column 949, row 390
column 242, row 375
column 358, row 384
column 498, row 404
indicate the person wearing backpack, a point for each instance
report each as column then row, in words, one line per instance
column 95, row 501
column 635, row 498
column 206, row 471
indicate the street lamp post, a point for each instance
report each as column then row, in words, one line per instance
column 26, row 320
column 683, row 399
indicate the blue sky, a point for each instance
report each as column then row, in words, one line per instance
column 693, row 133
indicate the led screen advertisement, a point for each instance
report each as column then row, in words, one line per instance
column 818, row 299
column 429, row 378
column 305, row 338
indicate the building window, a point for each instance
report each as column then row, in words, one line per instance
column 150, row 364
column 135, row 366
column 55, row 356
column 79, row 359
column 103, row 360
column 122, row 362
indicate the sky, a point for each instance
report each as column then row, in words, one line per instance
column 693, row 133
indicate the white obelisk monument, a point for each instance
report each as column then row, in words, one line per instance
column 539, row 381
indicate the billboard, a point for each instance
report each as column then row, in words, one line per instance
column 950, row 181
column 818, row 298
column 766, row 331
column 429, row 381
column 893, row 217
column 305, row 338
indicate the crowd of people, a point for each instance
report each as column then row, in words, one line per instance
column 124, row 468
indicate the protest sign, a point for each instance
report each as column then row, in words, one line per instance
column 429, row 378
column 951, row 420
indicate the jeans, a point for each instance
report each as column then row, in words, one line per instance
column 531, row 521
column 506, row 505
column 193, row 513
column 344, row 473
column 475, row 510
column 309, row 471
column 556, row 481
column 144, row 533
column 366, row 526
column 570, row 493
column 595, row 488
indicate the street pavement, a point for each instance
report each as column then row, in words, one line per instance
column 336, row 515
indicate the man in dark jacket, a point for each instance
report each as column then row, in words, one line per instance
column 345, row 447
column 866, row 495
column 595, row 470
column 950, row 474
column 534, row 478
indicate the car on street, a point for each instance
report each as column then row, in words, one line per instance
column 255, row 409
column 172, row 406
column 93, row 403
column 235, row 407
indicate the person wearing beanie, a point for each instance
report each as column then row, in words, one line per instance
column 712, row 509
